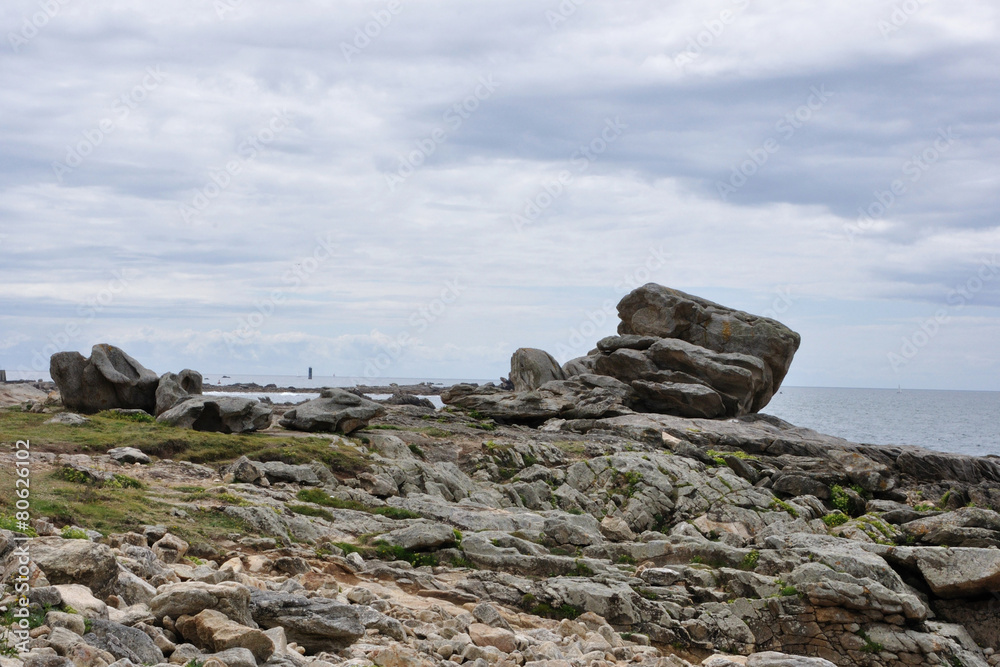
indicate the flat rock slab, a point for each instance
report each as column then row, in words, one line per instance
column 335, row 410
column 222, row 414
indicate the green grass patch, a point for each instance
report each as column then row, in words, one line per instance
column 10, row 523
column 870, row 646
column 320, row 497
column 74, row 534
column 720, row 459
column 782, row 506
column 309, row 510
column 419, row 453
column 788, row 591
column 107, row 430
column 834, row 519
column 750, row 561
column 580, row 569
column 840, row 499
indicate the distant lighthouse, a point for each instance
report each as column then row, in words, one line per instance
column 310, row 372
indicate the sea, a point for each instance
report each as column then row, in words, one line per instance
column 962, row 422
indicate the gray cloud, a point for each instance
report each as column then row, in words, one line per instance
column 701, row 92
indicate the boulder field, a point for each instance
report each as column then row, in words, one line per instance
column 642, row 539
column 674, row 354
column 629, row 507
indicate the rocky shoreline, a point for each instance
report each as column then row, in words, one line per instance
column 557, row 523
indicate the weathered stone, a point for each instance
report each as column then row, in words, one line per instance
column 124, row 642
column 654, row 310
column 246, row 471
column 957, row 572
column 775, row 659
column 191, row 597
column 531, row 368
column 129, row 455
column 485, row 635
column 173, row 388
column 335, row 410
column 108, row 379
column 214, row 632
column 76, row 562
column 574, row 529
column 318, row 624
column 81, row 598
column 421, row 537
column 276, row 471
column 170, row 548
column 222, row 414
column 800, row 485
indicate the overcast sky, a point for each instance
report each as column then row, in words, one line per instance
column 416, row 189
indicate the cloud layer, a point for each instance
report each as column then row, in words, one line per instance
column 400, row 189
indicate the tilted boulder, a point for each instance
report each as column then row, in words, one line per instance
column 334, row 410
column 675, row 354
column 655, row 310
column 108, row 379
column 176, row 387
column 223, row 414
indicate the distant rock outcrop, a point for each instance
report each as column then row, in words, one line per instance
column 108, row 379
column 675, row 354
column 334, row 410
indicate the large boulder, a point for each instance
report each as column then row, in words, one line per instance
column 531, row 368
column 192, row 597
column 335, row 410
column 108, row 379
column 214, row 632
column 76, row 562
column 655, row 310
column 318, row 624
column 176, row 387
column 957, row 572
column 676, row 354
column 223, row 414
column 124, row 642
